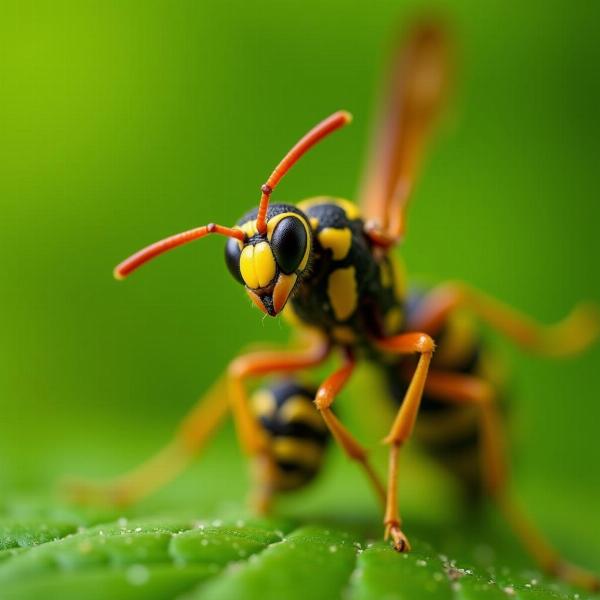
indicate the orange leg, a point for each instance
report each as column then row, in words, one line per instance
column 197, row 427
column 326, row 394
column 252, row 438
column 467, row 389
column 575, row 333
column 408, row 343
column 193, row 433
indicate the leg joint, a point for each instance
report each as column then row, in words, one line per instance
column 425, row 344
column 322, row 400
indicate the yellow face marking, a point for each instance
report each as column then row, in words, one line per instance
column 247, row 268
column 336, row 240
column 343, row 335
column 304, row 452
column 264, row 264
column 272, row 223
column 298, row 409
column 263, row 403
column 249, row 228
column 314, row 223
column 342, row 292
column 257, row 265
column 393, row 320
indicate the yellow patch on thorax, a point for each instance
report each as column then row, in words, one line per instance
column 352, row 211
column 336, row 240
column 342, row 292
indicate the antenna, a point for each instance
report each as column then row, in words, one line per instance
column 143, row 256
column 316, row 134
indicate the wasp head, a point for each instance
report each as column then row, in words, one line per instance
column 271, row 264
column 269, row 249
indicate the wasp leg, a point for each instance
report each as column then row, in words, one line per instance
column 194, row 431
column 252, row 438
column 466, row 389
column 409, row 343
column 573, row 334
column 326, row 394
column 196, row 428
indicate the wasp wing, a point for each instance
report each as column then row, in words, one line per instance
column 415, row 90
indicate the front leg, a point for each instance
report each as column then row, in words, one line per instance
column 326, row 394
column 197, row 427
column 402, row 428
column 250, row 434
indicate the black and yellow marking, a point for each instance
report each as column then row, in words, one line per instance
column 350, row 294
column 297, row 434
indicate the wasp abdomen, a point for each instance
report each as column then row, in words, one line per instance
column 297, row 434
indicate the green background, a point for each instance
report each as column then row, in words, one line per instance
column 122, row 122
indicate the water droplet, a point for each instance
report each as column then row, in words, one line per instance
column 137, row 529
column 122, row 522
column 509, row 590
column 421, row 563
column 332, row 548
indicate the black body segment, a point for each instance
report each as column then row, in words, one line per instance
column 349, row 294
column 297, row 435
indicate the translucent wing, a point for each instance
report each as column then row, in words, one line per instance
column 415, row 91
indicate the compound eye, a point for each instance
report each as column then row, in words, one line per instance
column 232, row 258
column 288, row 243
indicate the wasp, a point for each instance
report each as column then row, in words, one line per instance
column 329, row 267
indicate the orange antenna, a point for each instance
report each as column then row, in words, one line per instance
column 143, row 256
column 316, row 134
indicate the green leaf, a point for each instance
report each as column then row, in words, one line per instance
column 163, row 557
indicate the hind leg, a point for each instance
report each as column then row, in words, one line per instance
column 193, row 433
column 197, row 427
column 467, row 389
column 573, row 334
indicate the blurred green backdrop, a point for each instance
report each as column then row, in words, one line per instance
column 121, row 122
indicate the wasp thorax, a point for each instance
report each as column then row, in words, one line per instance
column 269, row 264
